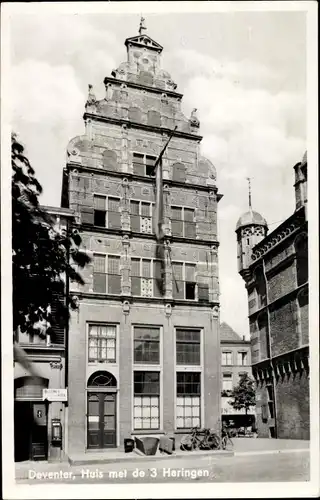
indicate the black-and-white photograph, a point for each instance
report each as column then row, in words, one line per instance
column 158, row 329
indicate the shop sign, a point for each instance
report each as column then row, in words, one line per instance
column 55, row 394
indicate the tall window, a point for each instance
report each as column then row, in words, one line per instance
column 146, row 277
column 99, row 210
column 104, row 217
column 184, row 282
column 227, row 358
column 141, row 216
column 182, row 222
column 242, row 358
column 227, row 384
column 188, row 400
column 111, row 280
column 146, row 345
column 146, row 412
column 102, row 343
column 114, row 277
column 143, row 164
column 187, row 347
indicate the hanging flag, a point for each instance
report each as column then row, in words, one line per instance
column 158, row 219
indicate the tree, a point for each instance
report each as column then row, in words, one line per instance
column 244, row 395
column 42, row 256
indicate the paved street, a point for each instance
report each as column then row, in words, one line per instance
column 285, row 466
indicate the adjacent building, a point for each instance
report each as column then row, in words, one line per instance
column 235, row 362
column 40, row 403
column 274, row 267
column 144, row 355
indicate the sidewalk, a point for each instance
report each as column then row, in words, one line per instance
column 242, row 446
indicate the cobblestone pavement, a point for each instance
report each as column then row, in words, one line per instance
column 288, row 465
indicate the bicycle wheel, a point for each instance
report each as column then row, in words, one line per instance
column 186, row 443
column 214, row 442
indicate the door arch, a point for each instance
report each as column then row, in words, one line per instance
column 101, row 410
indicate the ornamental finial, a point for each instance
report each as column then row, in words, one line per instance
column 142, row 26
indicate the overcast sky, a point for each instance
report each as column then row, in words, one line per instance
column 245, row 72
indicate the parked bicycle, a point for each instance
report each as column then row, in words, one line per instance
column 203, row 439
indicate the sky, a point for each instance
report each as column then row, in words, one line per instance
column 245, row 72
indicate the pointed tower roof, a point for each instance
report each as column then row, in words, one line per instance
column 250, row 217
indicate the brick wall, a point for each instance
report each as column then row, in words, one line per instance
column 292, row 400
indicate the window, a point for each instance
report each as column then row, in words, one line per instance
column 227, row 358
column 146, row 412
column 227, row 382
column 103, row 281
column 141, row 216
column 114, row 277
column 103, row 217
column 102, row 343
column 242, row 358
column 183, row 286
column 188, row 400
column 143, row 164
column 146, row 345
column 187, row 347
column 182, row 222
column 99, row 273
column 146, row 277
column 99, row 210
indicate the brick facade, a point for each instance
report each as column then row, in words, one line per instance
column 277, row 283
column 176, row 284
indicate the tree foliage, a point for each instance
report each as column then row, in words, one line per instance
column 243, row 395
column 42, row 255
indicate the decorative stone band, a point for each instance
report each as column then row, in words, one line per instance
column 283, row 231
column 282, row 366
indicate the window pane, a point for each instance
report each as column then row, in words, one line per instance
column 99, row 218
column 136, row 286
column 114, row 284
column 99, row 282
column 147, row 383
column 146, row 333
column 113, row 264
column 99, row 202
column 99, row 263
column 190, row 272
column 146, row 268
column 145, row 209
column 135, row 267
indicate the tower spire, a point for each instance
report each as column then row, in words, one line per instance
column 142, row 26
column 249, row 188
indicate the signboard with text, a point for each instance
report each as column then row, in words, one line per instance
column 55, row 394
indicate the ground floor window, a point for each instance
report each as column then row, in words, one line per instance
column 146, row 411
column 188, row 400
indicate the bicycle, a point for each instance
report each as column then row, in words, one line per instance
column 200, row 439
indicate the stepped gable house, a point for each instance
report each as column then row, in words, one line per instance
column 144, row 344
column 274, row 267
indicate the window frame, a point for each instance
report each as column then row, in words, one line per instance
column 184, row 221
column 184, row 264
column 146, row 395
column 227, row 376
column 151, row 214
column 152, row 276
column 106, row 273
column 188, row 342
column 106, row 211
column 115, row 346
column 147, row 363
column 144, row 163
column 188, row 395
column 231, row 357
column 244, row 357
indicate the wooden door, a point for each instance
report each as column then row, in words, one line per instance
column 102, row 420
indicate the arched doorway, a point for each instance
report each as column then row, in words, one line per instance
column 30, row 419
column 101, row 411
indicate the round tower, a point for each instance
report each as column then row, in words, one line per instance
column 251, row 228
